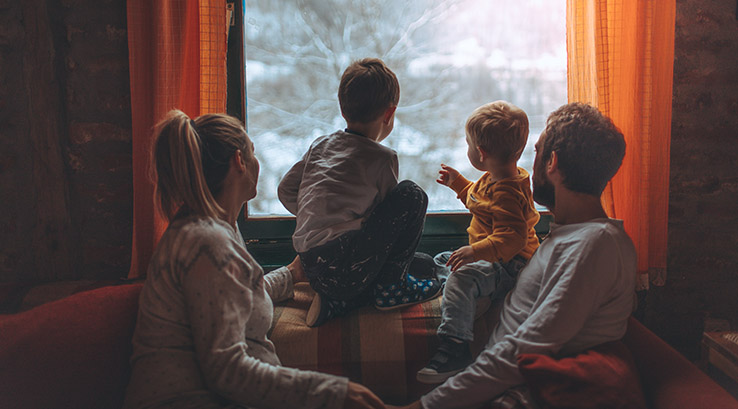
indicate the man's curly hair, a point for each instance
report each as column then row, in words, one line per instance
column 589, row 147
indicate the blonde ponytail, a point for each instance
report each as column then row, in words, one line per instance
column 189, row 162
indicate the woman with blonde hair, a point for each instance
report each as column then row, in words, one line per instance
column 206, row 306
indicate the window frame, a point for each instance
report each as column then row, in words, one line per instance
column 269, row 238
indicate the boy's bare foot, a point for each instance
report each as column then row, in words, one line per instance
column 298, row 273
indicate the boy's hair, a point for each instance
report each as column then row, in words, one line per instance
column 368, row 87
column 190, row 160
column 500, row 129
column 589, row 147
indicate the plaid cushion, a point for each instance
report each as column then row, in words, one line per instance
column 381, row 350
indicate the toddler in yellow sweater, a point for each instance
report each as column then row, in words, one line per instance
column 501, row 234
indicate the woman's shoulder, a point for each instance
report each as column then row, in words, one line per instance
column 201, row 229
column 189, row 238
column 195, row 233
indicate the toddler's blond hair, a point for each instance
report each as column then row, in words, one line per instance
column 500, row 129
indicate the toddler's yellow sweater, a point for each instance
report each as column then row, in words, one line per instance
column 503, row 216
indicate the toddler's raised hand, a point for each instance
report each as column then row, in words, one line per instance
column 447, row 175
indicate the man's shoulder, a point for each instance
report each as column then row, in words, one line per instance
column 594, row 249
column 604, row 229
column 602, row 226
column 592, row 236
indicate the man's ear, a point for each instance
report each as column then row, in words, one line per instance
column 388, row 114
column 553, row 163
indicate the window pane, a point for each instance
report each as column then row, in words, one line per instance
column 449, row 56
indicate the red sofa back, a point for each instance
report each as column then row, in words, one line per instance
column 74, row 353
column 670, row 381
column 70, row 353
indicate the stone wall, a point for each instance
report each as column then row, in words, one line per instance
column 702, row 284
column 65, row 140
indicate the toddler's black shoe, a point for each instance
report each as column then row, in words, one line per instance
column 451, row 358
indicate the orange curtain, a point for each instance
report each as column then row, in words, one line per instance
column 620, row 59
column 177, row 59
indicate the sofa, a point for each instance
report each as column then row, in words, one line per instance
column 74, row 352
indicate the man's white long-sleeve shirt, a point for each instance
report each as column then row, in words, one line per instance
column 576, row 292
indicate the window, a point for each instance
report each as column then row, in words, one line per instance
column 450, row 56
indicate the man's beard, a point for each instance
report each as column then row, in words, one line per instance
column 544, row 193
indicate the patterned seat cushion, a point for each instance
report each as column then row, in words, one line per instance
column 381, row 350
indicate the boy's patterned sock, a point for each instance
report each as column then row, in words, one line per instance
column 410, row 291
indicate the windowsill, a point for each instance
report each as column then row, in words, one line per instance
column 269, row 238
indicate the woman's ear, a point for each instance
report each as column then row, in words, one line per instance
column 238, row 161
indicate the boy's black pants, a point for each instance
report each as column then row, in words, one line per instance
column 348, row 267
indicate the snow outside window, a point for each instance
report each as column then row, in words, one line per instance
column 450, row 57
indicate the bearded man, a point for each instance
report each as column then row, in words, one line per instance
column 578, row 289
